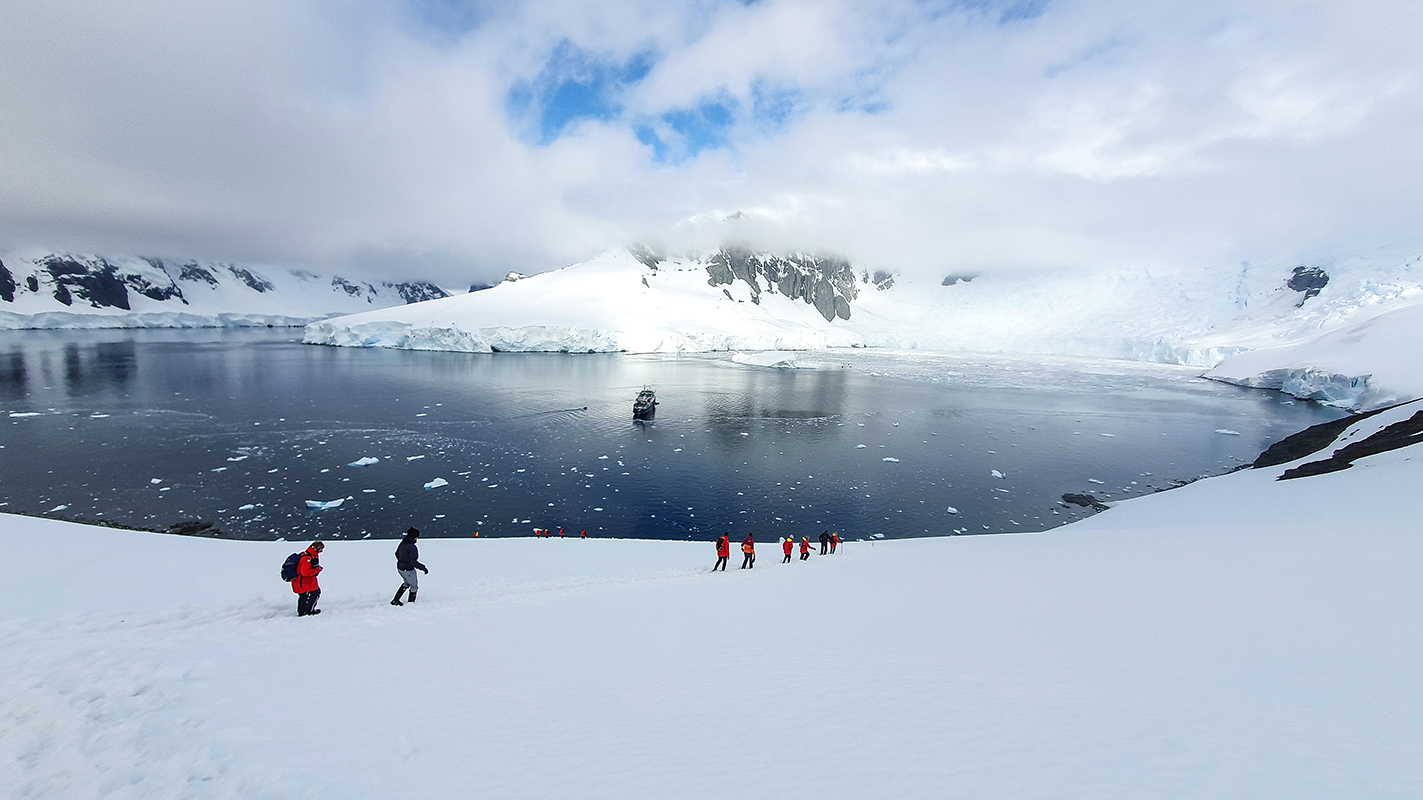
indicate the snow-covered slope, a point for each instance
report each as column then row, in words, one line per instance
column 737, row 300
column 52, row 290
column 1239, row 637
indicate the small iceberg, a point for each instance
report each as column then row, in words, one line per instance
column 997, row 474
column 24, row 413
column 772, row 358
column 952, row 510
column 859, row 447
column 322, row 505
column 1227, row 431
column 890, row 459
column 412, row 458
column 364, row 461
column 437, row 483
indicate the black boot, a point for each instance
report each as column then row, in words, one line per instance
column 412, row 595
column 398, row 594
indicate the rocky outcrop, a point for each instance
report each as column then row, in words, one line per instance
column 1308, row 280
column 417, row 292
column 825, row 282
column 7, row 284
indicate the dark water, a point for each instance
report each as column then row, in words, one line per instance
column 240, row 428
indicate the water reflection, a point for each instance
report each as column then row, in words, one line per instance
column 14, row 379
column 92, row 369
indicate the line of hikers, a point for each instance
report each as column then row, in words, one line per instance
column 301, row 569
column 829, row 540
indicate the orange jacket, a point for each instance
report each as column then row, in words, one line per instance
column 748, row 545
column 306, row 571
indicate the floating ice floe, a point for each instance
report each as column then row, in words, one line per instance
column 238, row 458
column 1094, row 480
column 24, row 413
column 1227, row 431
column 773, row 358
column 97, row 415
column 155, row 480
column 877, row 536
column 997, row 474
column 859, row 447
column 247, row 507
column 890, row 459
column 602, row 458
column 412, row 458
column 364, row 461
column 322, row 505
column 952, row 510
column 219, row 469
column 57, row 508
column 437, row 483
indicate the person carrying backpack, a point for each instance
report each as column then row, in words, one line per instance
column 407, row 560
column 786, row 545
column 748, row 549
column 824, row 542
column 804, row 548
column 305, row 585
column 723, row 551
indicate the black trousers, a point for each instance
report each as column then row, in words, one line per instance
column 804, row 555
column 824, row 548
column 832, row 547
column 720, row 562
column 306, row 602
column 748, row 561
column 787, row 559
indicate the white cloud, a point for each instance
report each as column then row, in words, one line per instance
column 348, row 135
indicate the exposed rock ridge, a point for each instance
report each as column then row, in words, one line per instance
column 826, row 282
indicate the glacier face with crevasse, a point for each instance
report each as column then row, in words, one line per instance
column 61, row 290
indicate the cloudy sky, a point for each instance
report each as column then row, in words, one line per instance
column 458, row 139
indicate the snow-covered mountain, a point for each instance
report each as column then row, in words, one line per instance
column 637, row 300
column 60, row 290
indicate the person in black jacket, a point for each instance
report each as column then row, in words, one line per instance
column 825, row 543
column 407, row 561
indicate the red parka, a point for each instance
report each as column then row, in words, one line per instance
column 805, row 545
column 787, row 545
column 723, row 547
column 306, row 571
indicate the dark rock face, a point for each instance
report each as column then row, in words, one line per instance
column 1084, row 500
column 649, row 257
column 354, row 290
column 97, row 282
column 32, row 283
column 7, row 284
column 1308, row 441
column 882, row 280
column 1399, row 434
column 1308, row 280
column 827, row 283
column 417, row 292
column 479, row 287
column 950, row 280
column 192, row 272
column 253, row 282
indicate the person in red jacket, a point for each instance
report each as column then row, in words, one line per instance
column 305, row 586
column 834, row 540
column 804, row 548
column 723, row 551
column 786, row 545
column 748, row 550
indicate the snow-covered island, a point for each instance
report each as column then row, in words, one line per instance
column 1242, row 636
column 635, row 300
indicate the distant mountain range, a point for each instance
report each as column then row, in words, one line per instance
column 62, row 290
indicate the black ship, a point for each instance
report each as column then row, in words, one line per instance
column 645, row 405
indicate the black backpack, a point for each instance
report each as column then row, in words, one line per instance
column 289, row 567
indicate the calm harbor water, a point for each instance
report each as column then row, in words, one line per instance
column 240, row 428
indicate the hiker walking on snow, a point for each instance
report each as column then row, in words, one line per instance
column 824, row 542
column 407, row 561
column 723, row 551
column 786, row 545
column 834, row 540
column 748, row 548
column 804, row 548
column 305, row 585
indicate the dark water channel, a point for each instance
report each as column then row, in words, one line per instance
column 241, row 428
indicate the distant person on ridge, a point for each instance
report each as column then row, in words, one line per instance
column 748, row 548
column 407, row 561
column 804, row 548
column 307, row 589
column 723, row 551
column 834, row 540
column 824, row 542
column 786, row 545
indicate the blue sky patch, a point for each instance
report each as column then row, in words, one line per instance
column 575, row 85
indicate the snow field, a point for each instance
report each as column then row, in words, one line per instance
column 1238, row 637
